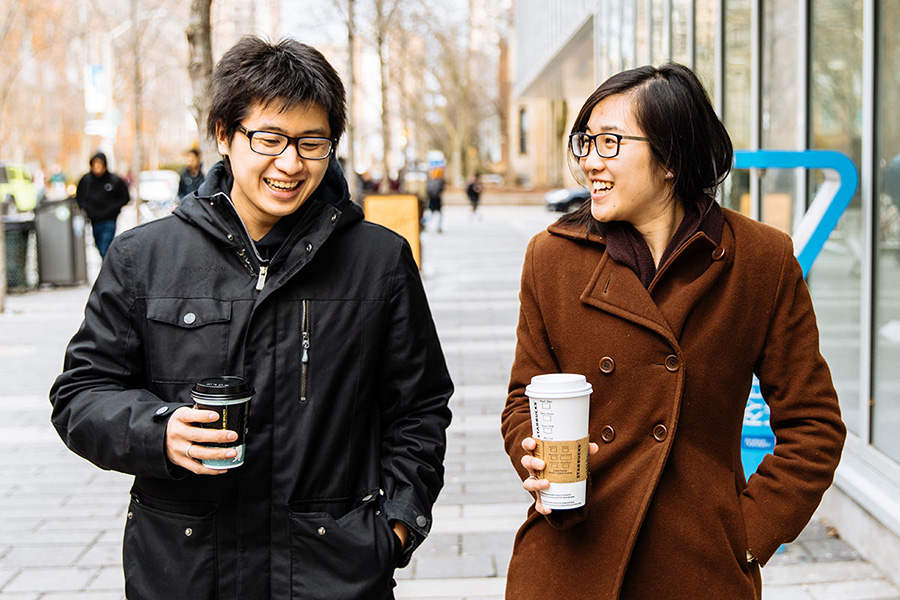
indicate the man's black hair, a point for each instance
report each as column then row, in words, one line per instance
column 288, row 74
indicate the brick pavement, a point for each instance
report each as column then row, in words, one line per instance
column 61, row 518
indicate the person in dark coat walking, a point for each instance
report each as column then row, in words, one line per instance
column 473, row 191
column 669, row 305
column 268, row 272
column 434, row 189
column 101, row 194
column 191, row 175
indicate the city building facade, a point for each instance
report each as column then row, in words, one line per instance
column 784, row 75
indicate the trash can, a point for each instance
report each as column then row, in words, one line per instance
column 61, row 245
column 20, row 273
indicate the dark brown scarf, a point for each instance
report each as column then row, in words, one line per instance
column 627, row 247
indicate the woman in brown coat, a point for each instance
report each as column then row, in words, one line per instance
column 669, row 305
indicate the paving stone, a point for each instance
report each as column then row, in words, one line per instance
column 61, row 579
column 55, row 555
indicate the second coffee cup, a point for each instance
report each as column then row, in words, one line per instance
column 560, row 407
column 230, row 397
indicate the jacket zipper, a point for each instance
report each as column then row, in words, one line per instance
column 304, row 357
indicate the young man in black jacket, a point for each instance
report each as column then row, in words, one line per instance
column 268, row 272
column 101, row 194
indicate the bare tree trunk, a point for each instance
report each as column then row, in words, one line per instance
column 503, row 88
column 137, row 159
column 200, row 67
column 350, row 173
column 385, row 118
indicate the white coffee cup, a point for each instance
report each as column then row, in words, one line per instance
column 560, row 407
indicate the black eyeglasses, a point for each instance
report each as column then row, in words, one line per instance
column 606, row 144
column 273, row 144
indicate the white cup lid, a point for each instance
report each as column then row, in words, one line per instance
column 558, row 385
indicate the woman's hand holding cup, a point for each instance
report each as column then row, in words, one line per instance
column 533, row 485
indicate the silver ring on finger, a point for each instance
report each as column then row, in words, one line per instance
column 187, row 451
column 533, row 477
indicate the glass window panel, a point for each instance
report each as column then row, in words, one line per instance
column 886, row 337
column 681, row 49
column 705, row 44
column 737, row 96
column 629, row 25
column 836, row 100
column 641, row 17
column 657, row 23
column 780, row 108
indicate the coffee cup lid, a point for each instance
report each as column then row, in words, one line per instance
column 558, row 385
column 226, row 386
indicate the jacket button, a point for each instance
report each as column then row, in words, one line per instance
column 660, row 433
column 309, row 247
column 189, row 532
column 162, row 410
column 718, row 253
column 189, row 318
column 334, row 217
column 230, row 237
column 607, row 434
column 607, row 365
column 321, row 531
column 421, row 521
column 672, row 363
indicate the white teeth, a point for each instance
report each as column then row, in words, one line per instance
column 602, row 186
column 282, row 185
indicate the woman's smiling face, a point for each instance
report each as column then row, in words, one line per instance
column 267, row 188
column 631, row 186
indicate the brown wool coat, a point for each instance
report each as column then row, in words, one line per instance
column 669, row 514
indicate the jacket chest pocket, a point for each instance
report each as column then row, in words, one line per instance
column 187, row 338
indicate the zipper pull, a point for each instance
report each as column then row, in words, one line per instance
column 304, row 358
column 263, row 270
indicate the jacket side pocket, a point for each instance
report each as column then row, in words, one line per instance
column 169, row 555
column 351, row 558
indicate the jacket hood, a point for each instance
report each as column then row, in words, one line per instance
column 196, row 208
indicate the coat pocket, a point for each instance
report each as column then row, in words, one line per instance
column 187, row 338
column 351, row 557
column 168, row 554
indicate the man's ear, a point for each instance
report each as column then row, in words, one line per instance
column 222, row 141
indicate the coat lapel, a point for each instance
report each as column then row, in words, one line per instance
column 615, row 289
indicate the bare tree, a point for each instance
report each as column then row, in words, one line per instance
column 386, row 18
column 349, row 16
column 200, row 67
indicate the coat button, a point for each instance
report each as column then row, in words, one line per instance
column 189, row 318
column 660, row 433
column 309, row 247
column 334, row 217
column 607, row 365
column 718, row 253
column 320, row 531
column 607, row 434
column 672, row 363
column 162, row 410
column 189, row 532
column 421, row 521
column 230, row 237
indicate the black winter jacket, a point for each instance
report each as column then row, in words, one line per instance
column 102, row 198
column 345, row 435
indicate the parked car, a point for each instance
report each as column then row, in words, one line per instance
column 158, row 191
column 566, row 199
column 17, row 190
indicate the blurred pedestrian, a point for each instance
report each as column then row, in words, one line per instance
column 473, row 191
column 434, row 189
column 268, row 272
column 191, row 174
column 101, row 194
column 669, row 305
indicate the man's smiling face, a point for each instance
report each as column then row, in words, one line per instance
column 267, row 188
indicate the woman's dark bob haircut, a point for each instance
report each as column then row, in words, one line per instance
column 255, row 72
column 674, row 112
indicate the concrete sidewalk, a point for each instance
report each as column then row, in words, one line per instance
column 61, row 518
